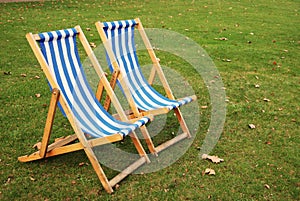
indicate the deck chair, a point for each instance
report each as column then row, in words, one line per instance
column 118, row 40
column 58, row 56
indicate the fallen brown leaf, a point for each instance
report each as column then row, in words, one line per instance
column 93, row 45
column 252, row 126
column 82, row 164
column 214, row 159
column 226, row 60
column 9, row 179
column 210, row 171
column 222, row 38
column 7, row 73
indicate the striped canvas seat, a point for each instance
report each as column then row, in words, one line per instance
column 120, row 35
column 118, row 39
column 59, row 49
column 58, row 56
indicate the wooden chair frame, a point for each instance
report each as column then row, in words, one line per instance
column 65, row 145
column 156, row 70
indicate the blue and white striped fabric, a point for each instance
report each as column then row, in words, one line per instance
column 120, row 35
column 60, row 51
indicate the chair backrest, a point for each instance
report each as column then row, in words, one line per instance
column 120, row 39
column 60, row 52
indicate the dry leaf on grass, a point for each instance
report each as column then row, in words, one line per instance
column 210, row 171
column 9, row 178
column 252, row 126
column 222, row 38
column 214, row 159
column 82, row 164
column 226, row 60
column 7, row 73
column 93, row 45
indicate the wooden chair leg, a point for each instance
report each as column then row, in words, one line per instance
column 49, row 122
column 113, row 82
column 109, row 184
column 183, row 135
column 148, row 140
column 182, row 122
column 54, row 152
column 139, row 146
column 98, row 169
column 99, row 91
column 152, row 76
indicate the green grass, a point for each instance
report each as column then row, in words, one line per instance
column 259, row 33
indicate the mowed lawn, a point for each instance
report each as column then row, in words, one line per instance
column 255, row 47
